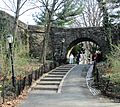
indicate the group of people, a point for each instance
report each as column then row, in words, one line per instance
column 85, row 58
column 80, row 59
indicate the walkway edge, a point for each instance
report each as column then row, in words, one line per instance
column 61, row 83
column 89, row 81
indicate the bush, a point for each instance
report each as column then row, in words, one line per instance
column 114, row 60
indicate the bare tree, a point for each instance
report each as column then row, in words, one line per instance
column 91, row 15
column 15, row 6
column 50, row 7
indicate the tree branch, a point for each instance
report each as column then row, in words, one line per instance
column 14, row 4
column 8, row 6
column 22, row 4
column 27, row 10
column 7, row 9
column 59, row 5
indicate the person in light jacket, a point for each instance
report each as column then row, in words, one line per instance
column 71, row 59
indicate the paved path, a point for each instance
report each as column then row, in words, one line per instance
column 74, row 94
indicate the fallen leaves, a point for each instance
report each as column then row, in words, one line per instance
column 16, row 101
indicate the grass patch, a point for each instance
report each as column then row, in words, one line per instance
column 23, row 64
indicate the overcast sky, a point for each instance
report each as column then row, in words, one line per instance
column 26, row 17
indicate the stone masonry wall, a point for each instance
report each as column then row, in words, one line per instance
column 9, row 25
column 72, row 36
column 36, row 36
column 34, row 33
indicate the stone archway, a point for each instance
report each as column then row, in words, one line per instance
column 73, row 36
column 80, row 40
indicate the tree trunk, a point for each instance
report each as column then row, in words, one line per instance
column 48, row 23
column 45, row 42
column 15, row 27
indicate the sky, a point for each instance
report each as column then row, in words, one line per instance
column 26, row 17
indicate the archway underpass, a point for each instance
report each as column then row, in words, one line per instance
column 85, row 47
column 74, row 36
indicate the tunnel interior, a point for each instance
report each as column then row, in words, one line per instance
column 81, row 45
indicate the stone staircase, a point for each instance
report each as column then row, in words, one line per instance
column 51, row 81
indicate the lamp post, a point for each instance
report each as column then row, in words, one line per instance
column 63, row 40
column 10, row 41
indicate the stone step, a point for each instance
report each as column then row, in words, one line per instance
column 43, row 91
column 48, row 83
column 45, row 87
column 51, row 79
column 57, row 73
column 67, row 66
column 56, row 70
column 55, row 76
column 63, row 69
column 54, row 73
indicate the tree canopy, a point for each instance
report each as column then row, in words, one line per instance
column 64, row 13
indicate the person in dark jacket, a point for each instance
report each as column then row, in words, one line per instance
column 78, row 58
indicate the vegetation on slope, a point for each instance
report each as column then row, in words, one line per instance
column 114, row 60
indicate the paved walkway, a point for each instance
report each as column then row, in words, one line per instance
column 74, row 94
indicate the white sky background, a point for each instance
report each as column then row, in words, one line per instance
column 26, row 17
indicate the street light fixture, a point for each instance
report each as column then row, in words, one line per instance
column 63, row 40
column 10, row 41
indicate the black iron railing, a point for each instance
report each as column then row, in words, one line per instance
column 23, row 82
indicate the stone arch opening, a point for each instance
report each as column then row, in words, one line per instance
column 73, row 36
column 81, row 42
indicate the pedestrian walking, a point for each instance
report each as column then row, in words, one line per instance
column 71, row 59
column 78, row 58
column 82, row 59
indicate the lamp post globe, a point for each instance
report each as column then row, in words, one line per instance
column 10, row 38
column 63, row 40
